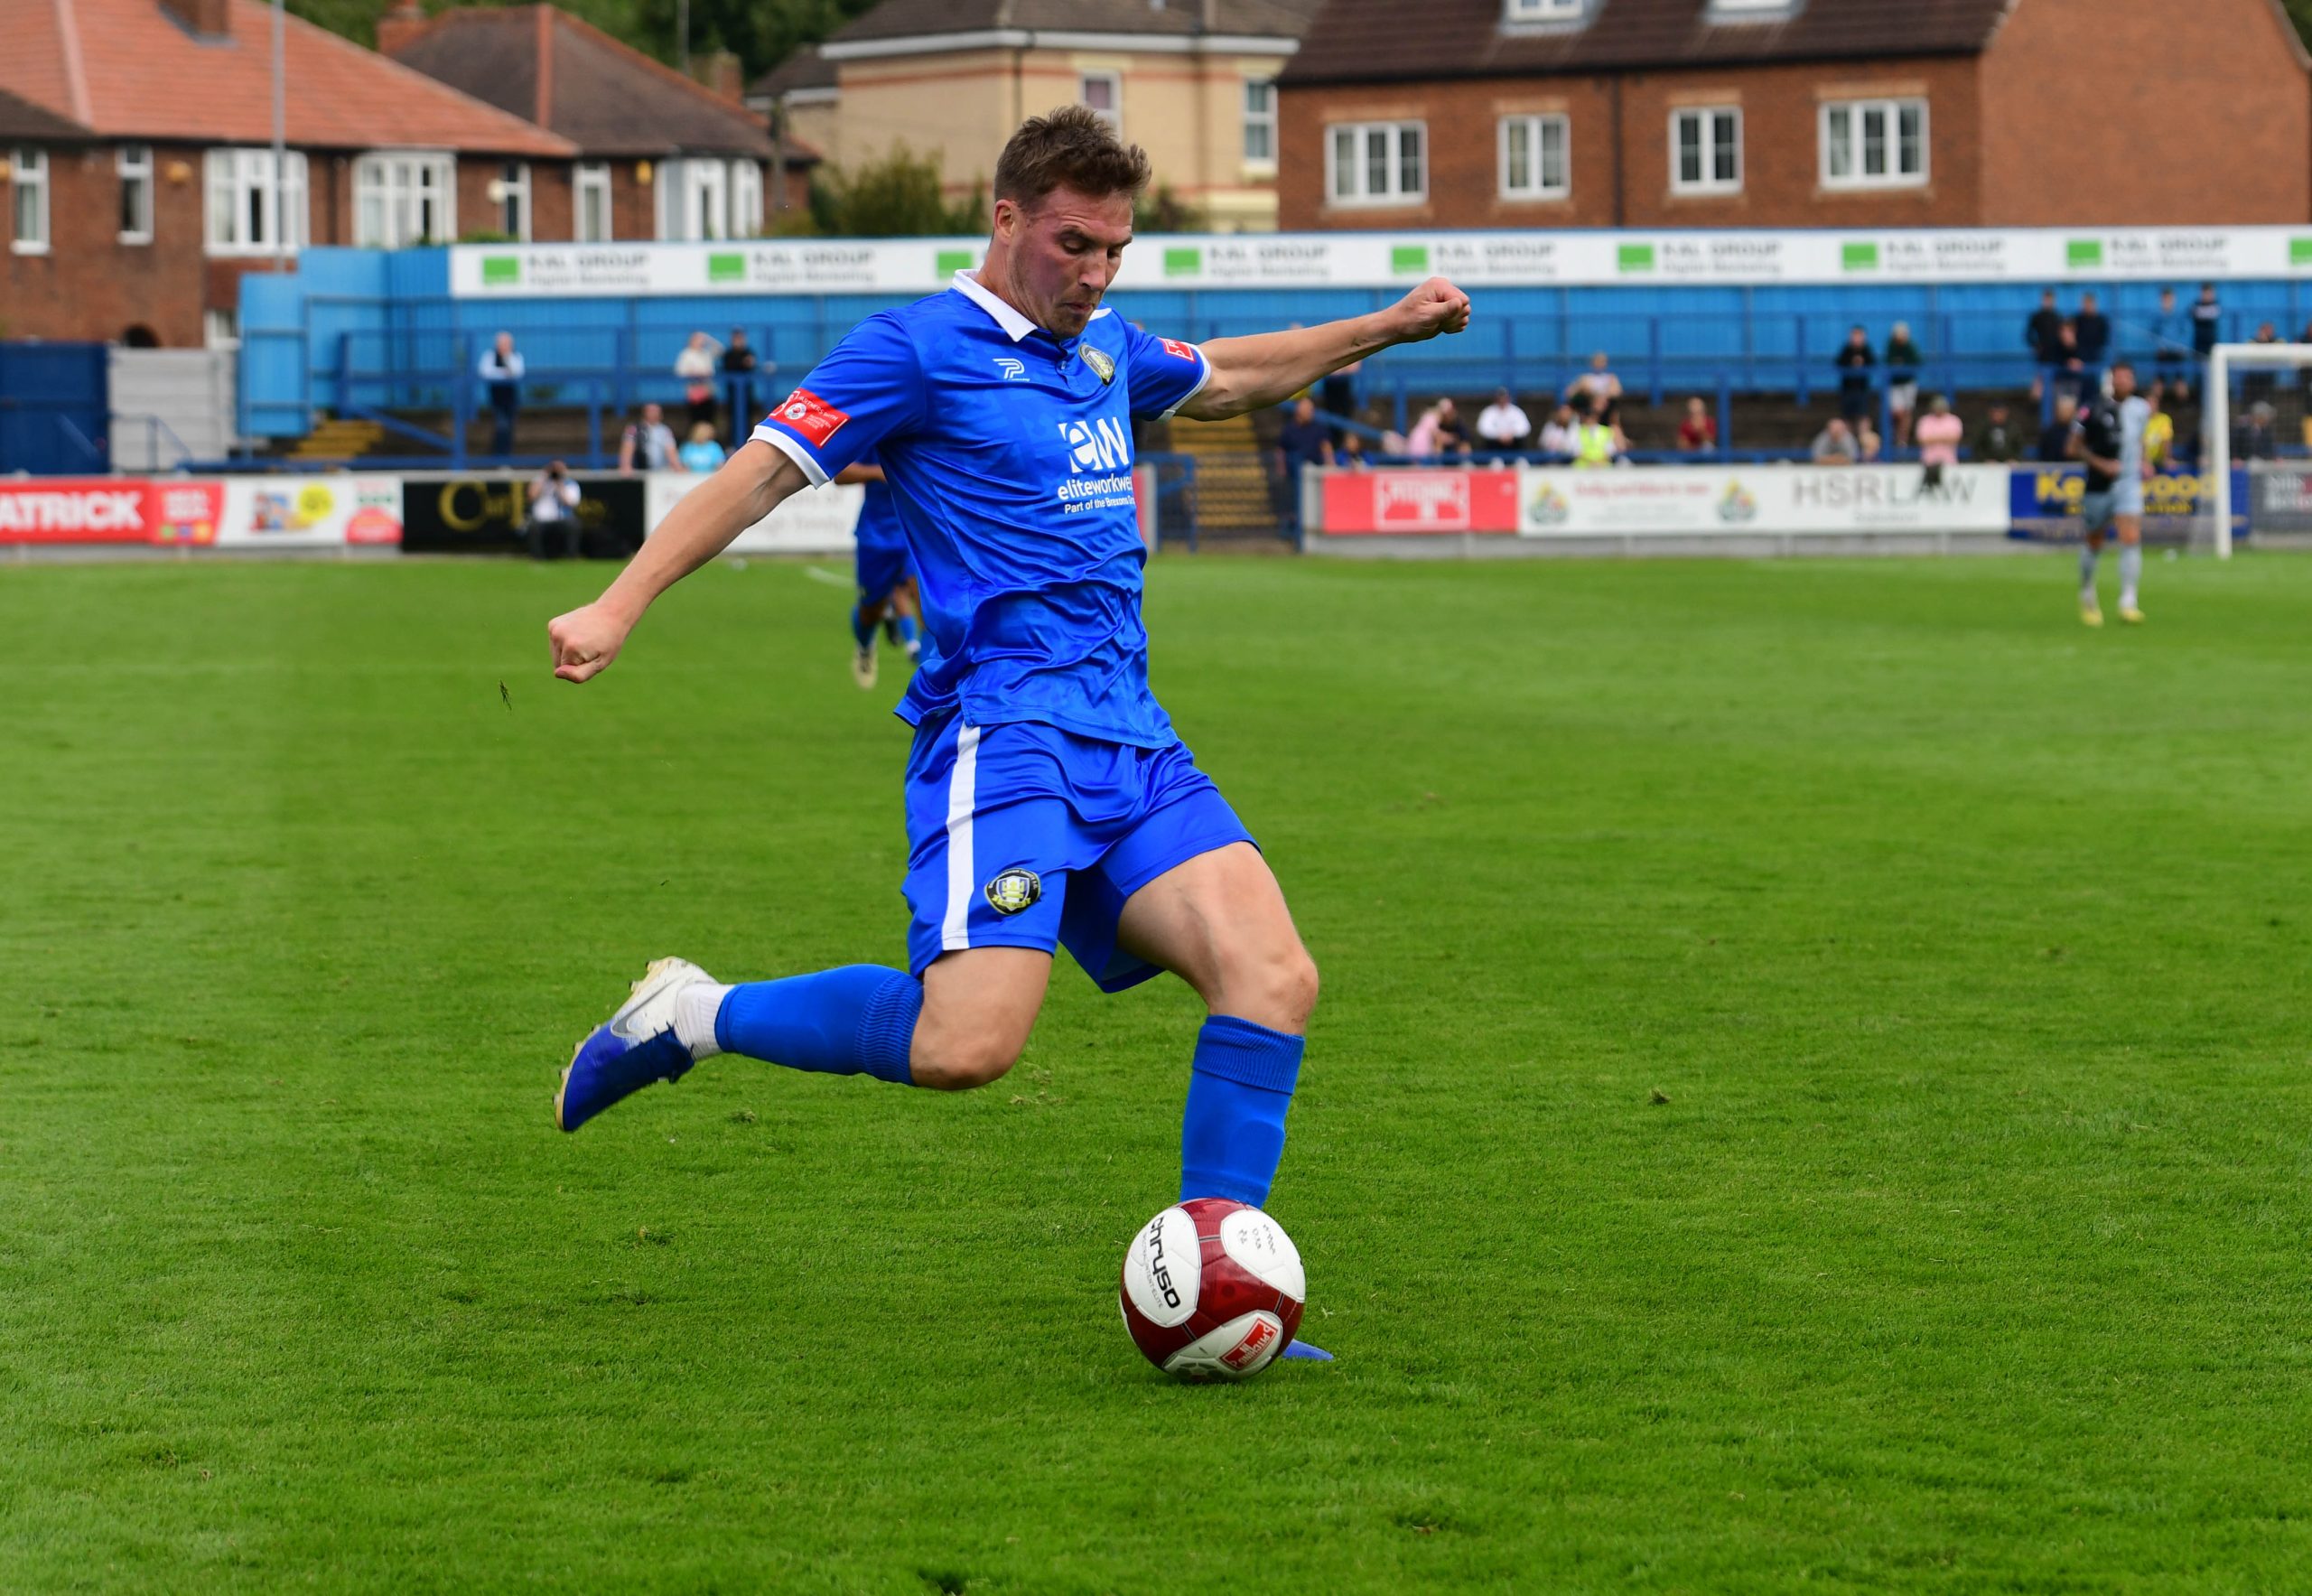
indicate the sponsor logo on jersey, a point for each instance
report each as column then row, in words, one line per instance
column 1178, row 350
column 1014, row 891
column 1098, row 361
column 812, row 416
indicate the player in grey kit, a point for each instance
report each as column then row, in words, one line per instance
column 2109, row 436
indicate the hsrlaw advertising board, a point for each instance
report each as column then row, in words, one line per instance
column 1588, row 257
column 1687, row 500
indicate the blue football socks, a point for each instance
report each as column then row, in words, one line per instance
column 1232, row 1132
column 858, row 1020
column 861, row 632
column 909, row 633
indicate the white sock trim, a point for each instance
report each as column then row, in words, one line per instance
column 696, row 1006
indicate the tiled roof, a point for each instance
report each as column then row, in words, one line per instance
column 1369, row 41
column 20, row 118
column 130, row 69
column 803, row 69
column 907, row 19
column 543, row 63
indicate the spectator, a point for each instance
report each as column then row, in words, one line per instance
column 1338, row 395
column 2070, row 373
column 1865, row 440
column 1502, row 423
column 739, row 368
column 1561, row 433
column 1697, row 433
column 648, row 444
column 1598, row 438
column 1998, row 444
column 2092, row 329
column 1854, row 362
column 2158, row 429
column 2260, row 382
column 1349, row 453
column 1902, row 381
column 1835, row 445
column 696, row 366
column 1939, row 432
column 1599, row 384
column 1447, row 433
column 2055, row 441
column 501, row 370
column 551, row 527
column 2208, row 323
column 2256, row 440
column 1427, row 437
column 1304, row 441
column 2171, row 348
column 702, row 453
column 2041, row 335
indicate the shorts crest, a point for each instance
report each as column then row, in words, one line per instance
column 1014, row 891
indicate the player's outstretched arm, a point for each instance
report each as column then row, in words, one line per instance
column 1270, row 367
column 749, row 486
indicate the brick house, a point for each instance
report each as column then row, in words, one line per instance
column 1797, row 113
column 135, row 220
column 1194, row 81
column 659, row 155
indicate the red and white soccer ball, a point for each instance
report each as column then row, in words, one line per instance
column 1212, row 1290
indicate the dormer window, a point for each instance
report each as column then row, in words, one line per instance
column 1543, row 11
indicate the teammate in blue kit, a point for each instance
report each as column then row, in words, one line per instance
column 1049, row 800
column 887, row 594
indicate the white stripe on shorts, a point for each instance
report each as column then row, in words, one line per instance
column 963, row 792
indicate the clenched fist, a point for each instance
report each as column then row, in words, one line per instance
column 1434, row 307
column 586, row 641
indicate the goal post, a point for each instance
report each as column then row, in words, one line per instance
column 2255, row 391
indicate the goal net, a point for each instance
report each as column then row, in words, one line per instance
column 2257, row 416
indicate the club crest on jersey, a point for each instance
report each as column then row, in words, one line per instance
column 812, row 416
column 1014, row 891
column 1098, row 361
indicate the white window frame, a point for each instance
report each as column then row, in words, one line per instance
column 1709, row 183
column 1533, row 127
column 242, row 178
column 1261, row 119
column 1114, row 114
column 1890, row 111
column 28, row 174
column 1543, row 11
column 1359, row 192
column 592, row 178
column 394, row 182
column 513, row 201
column 746, row 200
column 134, row 163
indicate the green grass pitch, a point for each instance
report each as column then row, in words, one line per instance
column 1814, row 1089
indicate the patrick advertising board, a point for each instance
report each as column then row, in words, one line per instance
column 204, row 512
column 1417, row 502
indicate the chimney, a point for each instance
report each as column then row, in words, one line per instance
column 211, row 19
column 398, row 26
column 721, row 71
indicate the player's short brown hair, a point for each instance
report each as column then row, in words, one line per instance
column 1072, row 148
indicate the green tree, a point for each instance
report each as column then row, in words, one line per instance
column 895, row 196
column 760, row 33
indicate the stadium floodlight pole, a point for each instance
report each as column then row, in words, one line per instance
column 280, row 143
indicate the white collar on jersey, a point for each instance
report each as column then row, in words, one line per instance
column 1015, row 325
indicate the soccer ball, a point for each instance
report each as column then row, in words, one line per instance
column 1212, row 1290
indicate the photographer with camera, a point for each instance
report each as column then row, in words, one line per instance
column 552, row 529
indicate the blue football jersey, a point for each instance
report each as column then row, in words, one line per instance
column 1011, row 453
column 878, row 518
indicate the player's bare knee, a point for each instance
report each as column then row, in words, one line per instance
column 958, row 1063
column 1277, row 989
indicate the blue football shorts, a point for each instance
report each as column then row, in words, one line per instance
column 881, row 568
column 1024, row 835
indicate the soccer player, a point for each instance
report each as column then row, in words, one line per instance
column 1049, row 800
column 2109, row 436
column 887, row 595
